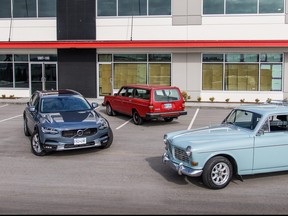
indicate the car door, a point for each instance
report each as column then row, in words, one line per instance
column 271, row 148
column 128, row 102
column 32, row 116
column 117, row 103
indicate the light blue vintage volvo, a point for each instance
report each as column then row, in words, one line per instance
column 252, row 139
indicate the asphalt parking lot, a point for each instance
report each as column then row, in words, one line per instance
column 127, row 178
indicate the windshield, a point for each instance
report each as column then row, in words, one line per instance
column 166, row 95
column 243, row 118
column 63, row 104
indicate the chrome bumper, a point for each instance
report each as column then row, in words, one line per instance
column 180, row 168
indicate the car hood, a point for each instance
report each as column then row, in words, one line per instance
column 208, row 135
column 68, row 118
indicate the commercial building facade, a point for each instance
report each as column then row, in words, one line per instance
column 226, row 49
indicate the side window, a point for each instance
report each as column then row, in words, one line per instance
column 278, row 123
column 129, row 92
column 122, row 91
column 35, row 101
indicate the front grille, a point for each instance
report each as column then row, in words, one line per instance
column 79, row 132
column 181, row 155
column 67, row 146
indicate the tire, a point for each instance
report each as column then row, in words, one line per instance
column 168, row 119
column 26, row 131
column 137, row 118
column 110, row 140
column 36, row 146
column 109, row 110
column 217, row 173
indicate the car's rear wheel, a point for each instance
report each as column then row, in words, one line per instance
column 36, row 146
column 26, row 131
column 217, row 172
column 168, row 119
column 109, row 110
column 137, row 118
column 110, row 140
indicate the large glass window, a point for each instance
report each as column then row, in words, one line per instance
column 25, row 8
column 6, row 75
column 28, row 8
column 159, row 7
column 213, row 7
column 139, row 68
column 5, row 8
column 129, row 74
column 242, row 6
column 46, row 8
column 133, row 7
column 242, row 72
column 271, row 6
column 21, row 75
column 107, row 8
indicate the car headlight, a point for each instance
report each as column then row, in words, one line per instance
column 188, row 151
column 48, row 130
column 165, row 139
column 103, row 124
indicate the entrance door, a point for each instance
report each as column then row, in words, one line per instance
column 105, row 79
column 43, row 76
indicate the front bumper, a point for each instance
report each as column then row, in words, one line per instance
column 180, row 168
column 57, row 143
column 174, row 114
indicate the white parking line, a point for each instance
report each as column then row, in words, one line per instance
column 123, row 124
column 10, row 118
column 4, row 105
column 193, row 119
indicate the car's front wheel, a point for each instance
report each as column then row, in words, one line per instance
column 36, row 144
column 137, row 118
column 217, row 172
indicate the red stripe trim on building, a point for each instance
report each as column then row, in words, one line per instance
column 143, row 44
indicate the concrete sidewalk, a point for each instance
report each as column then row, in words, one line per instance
column 229, row 105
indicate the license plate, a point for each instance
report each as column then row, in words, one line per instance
column 168, row 106
column 79, row 141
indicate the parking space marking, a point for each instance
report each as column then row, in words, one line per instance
column 193, row 119
column 123, row 124
column 10, row 118
column 4, row 105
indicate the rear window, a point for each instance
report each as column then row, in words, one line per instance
column 166, row 95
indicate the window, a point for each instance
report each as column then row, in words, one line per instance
column 5, row 8
column 159, row 7
column 139, row 68
column 27, row 8
column 242, row 72
column 46, row 8
column 242, row 6
column 133, row 7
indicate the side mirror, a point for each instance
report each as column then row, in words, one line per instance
column 260, row 132
column 94, row 105
column 32, row 108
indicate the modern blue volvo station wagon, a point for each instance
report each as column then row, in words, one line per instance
column 252, row 139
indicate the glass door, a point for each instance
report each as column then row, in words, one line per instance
column 105, row 79
column 43, row 76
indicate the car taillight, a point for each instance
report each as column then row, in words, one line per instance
column 183, row 104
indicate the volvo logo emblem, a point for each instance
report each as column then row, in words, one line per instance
column 80, row 133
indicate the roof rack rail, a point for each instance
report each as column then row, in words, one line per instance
column 278, row 102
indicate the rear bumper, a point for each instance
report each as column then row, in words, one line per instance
column 174, row 114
